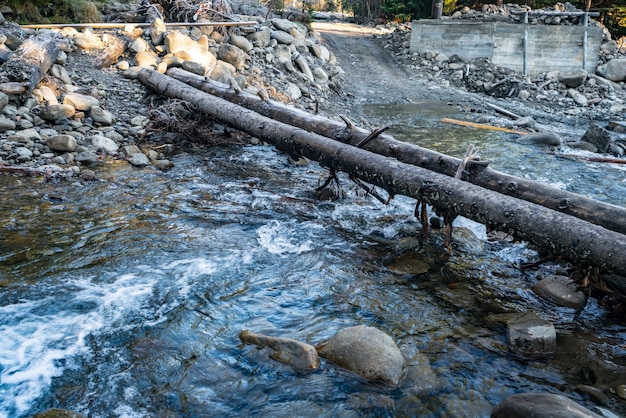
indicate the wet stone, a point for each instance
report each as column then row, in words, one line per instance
column 532, row 337
column 560, row 290
column 366, row 351
column 540, row 405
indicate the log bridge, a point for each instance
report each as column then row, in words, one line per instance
column 583, row 231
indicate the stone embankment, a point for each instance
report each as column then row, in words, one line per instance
column 80, row 115
column 579, row 97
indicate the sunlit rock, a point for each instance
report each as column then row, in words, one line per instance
column 366, row 351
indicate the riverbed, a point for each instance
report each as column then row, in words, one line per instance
column 125, row 296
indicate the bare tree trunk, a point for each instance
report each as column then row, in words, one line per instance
column 606, row 215
column 574, row 239
column 30, row 63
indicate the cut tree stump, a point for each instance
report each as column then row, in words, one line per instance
column 576, row 240
column 30, row 63
column 604, row 214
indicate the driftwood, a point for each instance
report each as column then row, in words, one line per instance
column 606, row 215
column 140, row 25
column 576, row 240
column 30, row 63
column 482, row 126
column 607, row 160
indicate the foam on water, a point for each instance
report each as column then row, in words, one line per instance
column 39, row 337
column 283, row 238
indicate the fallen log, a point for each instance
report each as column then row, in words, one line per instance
column 30, row 62
column 600, row 213
column 574, row 239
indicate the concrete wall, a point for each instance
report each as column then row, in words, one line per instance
column 548, row 47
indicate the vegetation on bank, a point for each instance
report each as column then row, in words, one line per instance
column 613, row 13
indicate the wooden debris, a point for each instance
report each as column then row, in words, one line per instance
column 482, row 126
column 600, row 213
column 576, row 240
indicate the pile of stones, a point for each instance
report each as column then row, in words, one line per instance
column 80, row 115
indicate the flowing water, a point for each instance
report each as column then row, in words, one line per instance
column 124, row 297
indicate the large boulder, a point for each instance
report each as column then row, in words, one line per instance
column 540, row 405
column 366, row 351
column 614, row 70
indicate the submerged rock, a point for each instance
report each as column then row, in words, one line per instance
column 366, row 351
column 299, row 355
column 540, row 405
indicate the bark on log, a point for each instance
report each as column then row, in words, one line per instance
column 606, row 215
column 30, row 62
column 574, row 239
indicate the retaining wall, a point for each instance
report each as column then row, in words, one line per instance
column 531, row 49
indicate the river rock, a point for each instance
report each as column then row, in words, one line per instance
column 260, row 38
column 597, row 136
column 139, row 45
column 45, row 96
column 61, row 73
column 147, row 59
column 58, row 413
column 101, row 116
column 88, row 41
column 87, row 158
column 614, row 70
column 6, row 124
column 366, row 351
column 195, row 67
column 299, row 355
column 241, row 42
column 178, row 42
column 138, row 159
column 23, row 154
column 232, row 55
column 541, row 138
column 62, row 143
column 304, row 67
column 409, row 263
column 320, row 51
column 81, row 102
column 282, row 37
column 531, row 337
column 320, row 75
column 4, row 100
column 578, row 97
column 26, row 135
column 540, row 405
column 283, row 24
column 57, row 111
column 573, row 79
column 560, row 290
column 221, row 73
column 101, row 142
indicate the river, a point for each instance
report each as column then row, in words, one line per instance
column 124, row 297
